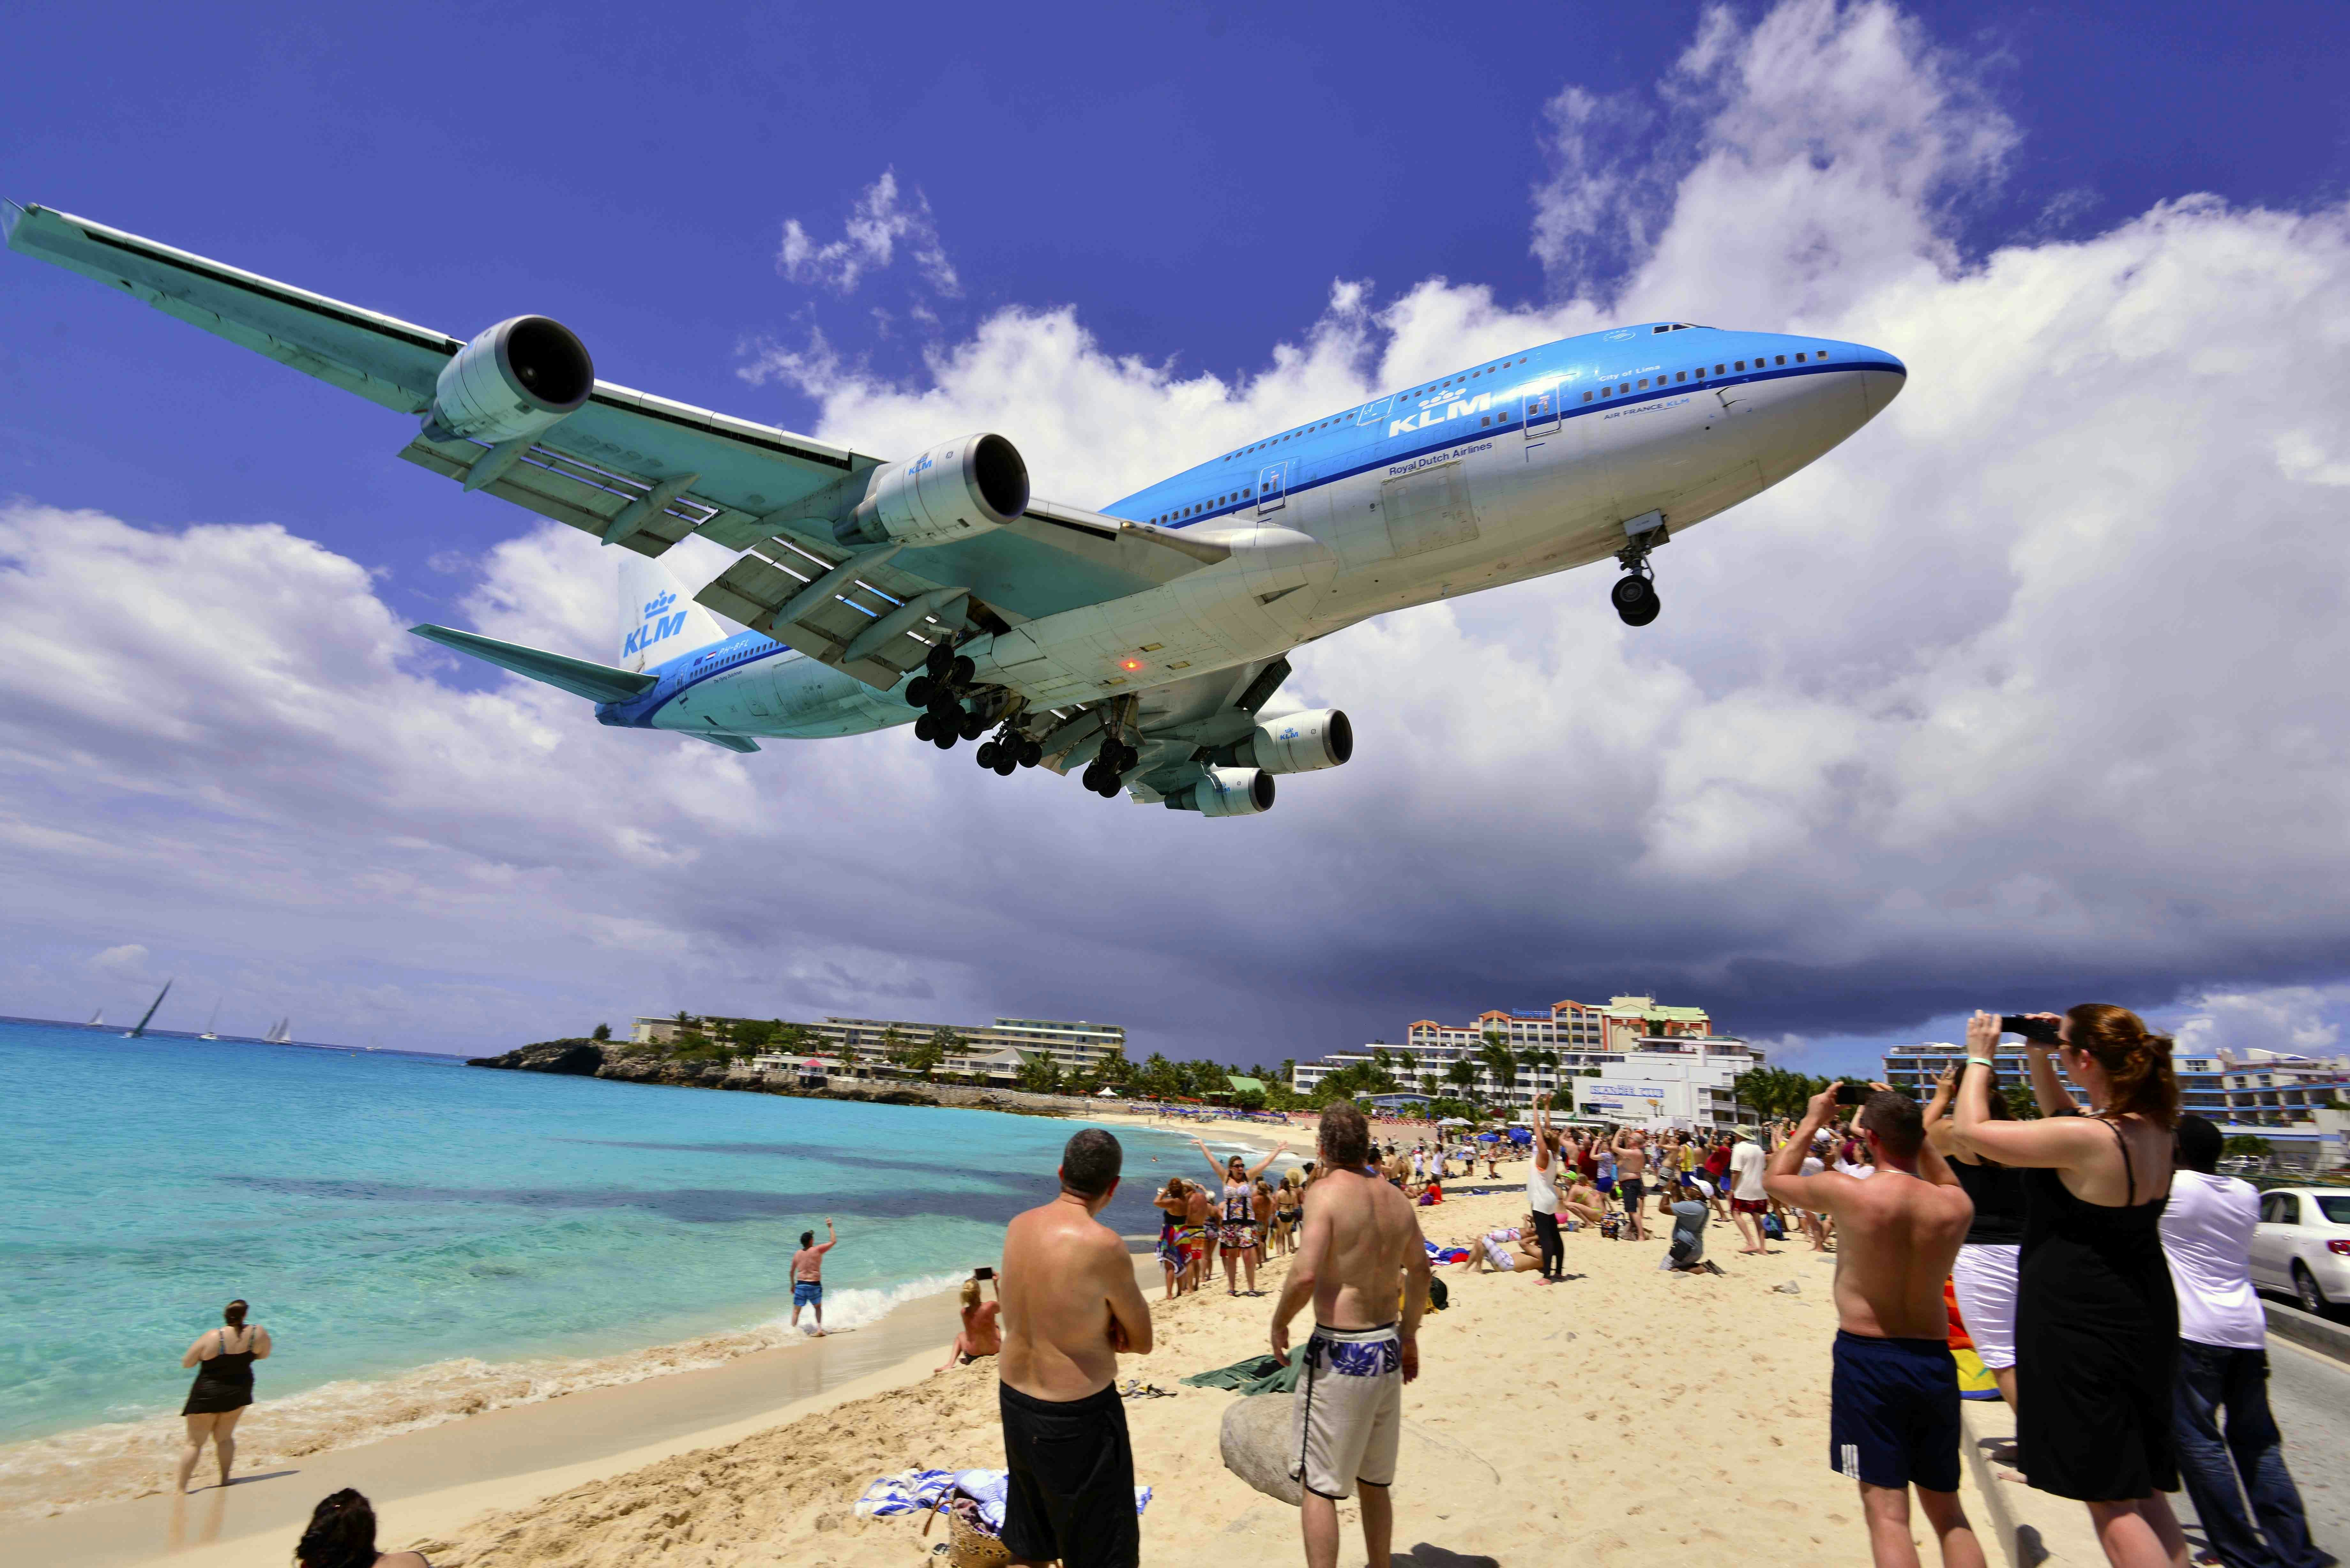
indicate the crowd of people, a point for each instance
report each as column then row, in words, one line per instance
column 2099, row 1260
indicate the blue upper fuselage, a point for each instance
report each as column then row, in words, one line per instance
column 1577, row 375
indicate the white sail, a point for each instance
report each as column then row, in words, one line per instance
column 281, row 1033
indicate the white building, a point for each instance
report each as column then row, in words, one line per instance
column 1631, row 1051
column 859, row 1045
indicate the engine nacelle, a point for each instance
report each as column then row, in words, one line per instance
column 1232, row 792
column 514, row 380
column 1294, row 743
column 958, row 490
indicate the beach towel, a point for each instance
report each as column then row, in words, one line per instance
column 919, row 1492
column 1257, row 1374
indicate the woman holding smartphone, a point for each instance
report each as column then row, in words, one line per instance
column 983, row 1334
column 2096, row 1325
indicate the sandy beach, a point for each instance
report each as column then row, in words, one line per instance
column 1619, row 1411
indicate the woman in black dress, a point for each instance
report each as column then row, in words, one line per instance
column 2097, row 1327
column 224, row 1358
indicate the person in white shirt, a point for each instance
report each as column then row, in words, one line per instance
column 1747, row 1201
column 2223, row 1366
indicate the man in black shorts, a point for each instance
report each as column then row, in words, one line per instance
column 1065, row 1277
column 1893, row 1399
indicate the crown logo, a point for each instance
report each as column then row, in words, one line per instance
column 659, row 604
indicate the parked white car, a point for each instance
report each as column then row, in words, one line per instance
column 2303, row 1245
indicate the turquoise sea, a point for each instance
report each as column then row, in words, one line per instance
column 422, row 1238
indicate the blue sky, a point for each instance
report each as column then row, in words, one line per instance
column 1222, row 214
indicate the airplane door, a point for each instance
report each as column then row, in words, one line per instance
column 1538, row 416
column 1272, row 488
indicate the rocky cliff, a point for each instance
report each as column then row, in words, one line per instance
column 602, row 1059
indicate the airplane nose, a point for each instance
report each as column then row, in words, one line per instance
column 1882, row 376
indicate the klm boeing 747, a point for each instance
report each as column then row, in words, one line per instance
column 1136, row 645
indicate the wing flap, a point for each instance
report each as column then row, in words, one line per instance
column 596, row 682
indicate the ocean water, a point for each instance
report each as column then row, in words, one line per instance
column 423, row 1238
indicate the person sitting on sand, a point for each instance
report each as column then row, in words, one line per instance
column 341, row 1534
column 1507, row 1249
column 1581, row 1201
column 983, row 1334
column 807, row 1274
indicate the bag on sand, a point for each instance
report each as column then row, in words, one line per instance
column 1439, row 1297
column 1773, row 1228
column 968, row 1544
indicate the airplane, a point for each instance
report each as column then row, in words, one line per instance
column 1139, row 645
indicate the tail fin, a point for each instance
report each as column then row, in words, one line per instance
column 658, row 619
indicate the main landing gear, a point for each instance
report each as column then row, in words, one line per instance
column 1106, row 775
column 939, row 691
column 1009, row 751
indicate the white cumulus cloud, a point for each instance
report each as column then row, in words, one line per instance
column 879, row 225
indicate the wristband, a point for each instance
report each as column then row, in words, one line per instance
column 1981, row 1061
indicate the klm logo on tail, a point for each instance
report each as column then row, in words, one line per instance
column 657, row 626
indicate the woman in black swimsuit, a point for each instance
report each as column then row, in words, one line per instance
column 2096, row 1325
column 224, row 1358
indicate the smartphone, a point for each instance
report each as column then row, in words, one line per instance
column 2038, row 1029
column 983, row 1272
column 1852, row 1094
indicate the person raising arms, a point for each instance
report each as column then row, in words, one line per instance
column 1893, row 1412
column 807, row 1274
column 2097, row 1322
column 1541, row 1193
column 981, row 1335
column 1236, row 1238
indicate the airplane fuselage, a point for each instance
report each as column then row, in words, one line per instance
column 1512, row 468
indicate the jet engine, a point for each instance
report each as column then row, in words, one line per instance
column 958, row 490
column 514, row 380
column 1228, row 791
column 1294, row 743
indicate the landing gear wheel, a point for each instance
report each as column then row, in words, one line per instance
column 1031, row 753
column 1111, row 785
column 1635, row 598
column 987, row 754
column 973, row 726
column 926, row 728
column 960, row 672
column 940, row 656
column 944, row 739
column 1005, row 764
column 918, row 689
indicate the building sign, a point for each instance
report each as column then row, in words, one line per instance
column 1625, row 1102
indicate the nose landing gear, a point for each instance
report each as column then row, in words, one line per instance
column 1634, row 598
column 1634, row 593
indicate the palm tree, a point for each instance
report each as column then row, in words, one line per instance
column 1501, row 1063
column 1462, row 1076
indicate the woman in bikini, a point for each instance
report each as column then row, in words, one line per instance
column 1236, row 1238
column 982, row 1333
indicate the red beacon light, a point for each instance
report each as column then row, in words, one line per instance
column 1130, row 664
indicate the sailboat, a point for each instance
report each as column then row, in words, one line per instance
column 140, row 1027
column 208, row 1033
column 97, row 1020
column 280, row 1032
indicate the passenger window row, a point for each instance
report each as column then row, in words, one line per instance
column 1734, row 367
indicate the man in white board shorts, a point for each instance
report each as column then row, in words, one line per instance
column 1360, row 1249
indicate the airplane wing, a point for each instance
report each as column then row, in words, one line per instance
column 643, row 472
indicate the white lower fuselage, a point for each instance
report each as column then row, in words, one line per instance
column 1504, row 503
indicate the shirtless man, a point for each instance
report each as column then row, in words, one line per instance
column 1893, row 1418
column 1070, row 1306
column 1359, row 1248
column 1631, row 1165
column 807, row 1274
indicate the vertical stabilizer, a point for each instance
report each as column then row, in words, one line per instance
column 659, row 619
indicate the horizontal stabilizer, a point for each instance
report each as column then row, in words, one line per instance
column 731, row 743
column 597, row 682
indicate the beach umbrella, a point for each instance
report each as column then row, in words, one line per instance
column 1489, row 1138
column 1453, row 1122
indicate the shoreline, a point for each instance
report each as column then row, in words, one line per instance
column 434, row 1480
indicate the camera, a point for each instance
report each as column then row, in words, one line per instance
column 983, row 1272
column 2036, row 1029
column 1852, row 1094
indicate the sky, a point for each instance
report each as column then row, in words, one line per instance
column 2027, row 695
